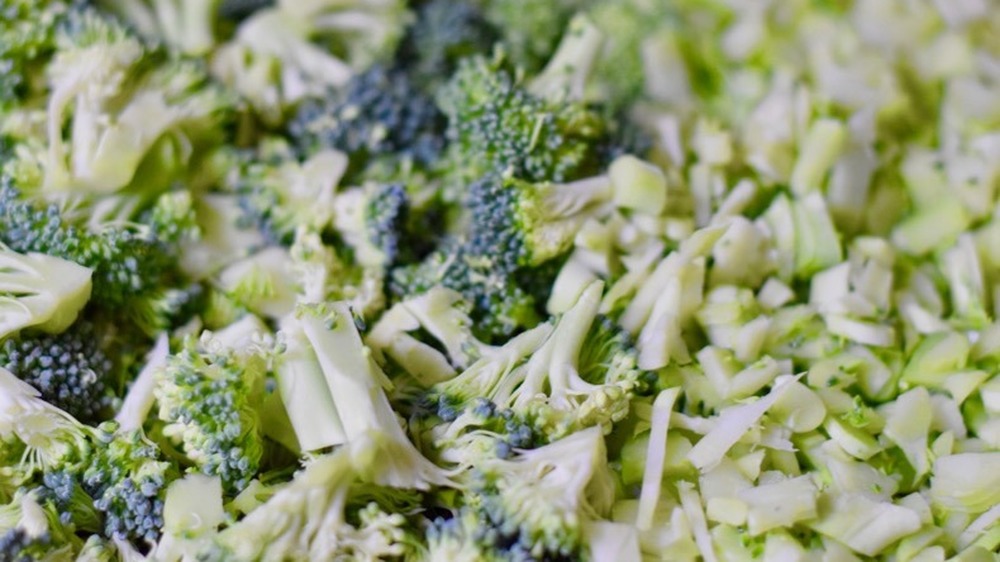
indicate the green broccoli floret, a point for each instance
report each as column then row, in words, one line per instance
column 496, row 125
column 379, row 115
column 443, row 33
column 279, row 194
column 530, row 31
column 121, row 471
column 134, row 264
column 239, row 10
column 294, row 50
column 70, row 369
column 537, row 502
column 316, row 516
column 502, row 264
column 127, row 478
column 40, row 291
column 115, row 126
column 186, row 26
column 27, row 39
column 211, row 402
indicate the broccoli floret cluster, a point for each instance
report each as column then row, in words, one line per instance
column 70, row 369
column 379, row 114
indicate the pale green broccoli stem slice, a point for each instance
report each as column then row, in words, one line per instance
column 192, row 511
column 186, row 25
column 638, row 185
column 692, row 506
column 389, row 338
column 439, row 312
column 652, row 478
column 564, row 78
column 823, row 144
column 966, row 482
column 931, row 226
column 40, row 291
column 864, row 524
column 304, row 392
column 732, row 423
column 379, row 448
column 141, row 395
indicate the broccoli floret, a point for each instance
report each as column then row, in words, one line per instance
column 27, row 38
column 530, row 31
column 315, row 517
column 239, row 10
column 515, row 228
column 188, row 26
column 31, row 530
column 134, row 265
column 121, row 471
column 443, row 34
column 127, row 479
column 495, row 125
column 70, row 369
column 538, row 501
column 280, row 194
column 380, row 114
column 295, row 50
column 211, row 402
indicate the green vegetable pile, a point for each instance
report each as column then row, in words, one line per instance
column 499, row 280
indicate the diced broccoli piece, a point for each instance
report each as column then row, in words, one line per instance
column 40, row 291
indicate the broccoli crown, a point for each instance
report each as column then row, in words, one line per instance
column 499, row 306
column 380, row 113
column 210, row 403
column 127, row 480
column 17, row 546
column 134, row 266
column 70, row 369
column 444, row 33
column 494, row 125
column 385, row 220
column 27, row 35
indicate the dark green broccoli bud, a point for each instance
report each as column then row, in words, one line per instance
column 70, row 369
column 70, row 501
column 444, row 33
column 385, row 220
column 379, row 114
column 211, row 403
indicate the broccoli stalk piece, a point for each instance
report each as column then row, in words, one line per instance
column 40, row 291
column 210, row 399
column 565, row 388
column 187, row 26
column 309, row 520
column 379, row 448
column 539, row 500
column 118, row 112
